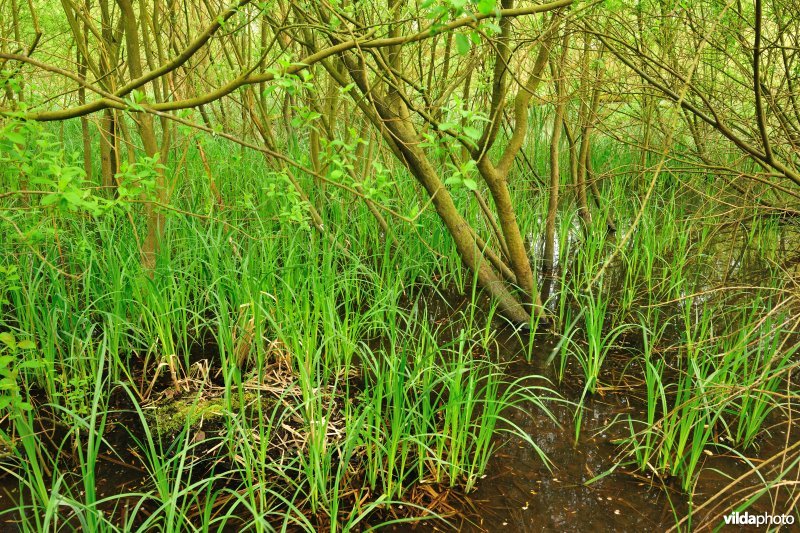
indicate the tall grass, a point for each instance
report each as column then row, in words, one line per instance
column 328, row 392
column 324, row 378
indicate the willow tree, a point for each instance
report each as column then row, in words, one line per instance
column 732, row 68
column 445, row 88
column 406, row 114
column 154, row 57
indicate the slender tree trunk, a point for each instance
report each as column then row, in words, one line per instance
column 108, row 150
column 85, row 133
column 555, row 168
column 155, row 217
column 584, row 115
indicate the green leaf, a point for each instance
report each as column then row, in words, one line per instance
column 8, row 339
column 491, row 27
column 133, row 101
column 462, row 44
column 72, row 197
column 26, row 345
column 486, row 6
column 50, row 199
column 15, row 137
column 472, row 132
column 470, row 184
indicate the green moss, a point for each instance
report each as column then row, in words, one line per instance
column 7, row 446
column 193, row 409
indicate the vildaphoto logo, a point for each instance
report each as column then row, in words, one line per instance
column 764, row 519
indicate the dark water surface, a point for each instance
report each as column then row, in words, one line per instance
column 519, row 492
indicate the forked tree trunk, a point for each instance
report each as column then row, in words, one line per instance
column 402, row 138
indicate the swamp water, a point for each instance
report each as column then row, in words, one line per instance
column 519, row 493
column 590, row 486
